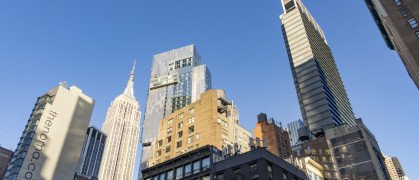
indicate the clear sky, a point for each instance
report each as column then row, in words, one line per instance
column 92, row 44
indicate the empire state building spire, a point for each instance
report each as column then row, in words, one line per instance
column 129, row 90
column 122, row 125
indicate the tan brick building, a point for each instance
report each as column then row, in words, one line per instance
column 278, row 140
column 212, row 120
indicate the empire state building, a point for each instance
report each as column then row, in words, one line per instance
column 122, row 125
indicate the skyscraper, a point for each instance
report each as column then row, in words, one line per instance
column 52, row 140
column 342, row 145
column 398, row 22
column 91, row 154
column 322, row 97
column 292, row 128
column 177, row 79
column 122, row 125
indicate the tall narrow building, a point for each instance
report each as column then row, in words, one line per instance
column 91, row 155
column 53, row 137
column 322, row 97
column 398, row 22
column 122, row 125
column 342, row 145
column 177, row 79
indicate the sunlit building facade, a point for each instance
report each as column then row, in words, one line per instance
column 177, row 79
column 211, row 120
column 321, row 94
column 53, row 138
column 122, row 125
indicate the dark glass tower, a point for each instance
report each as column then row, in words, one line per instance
column 91, row 155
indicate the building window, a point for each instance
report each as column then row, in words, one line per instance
column 191, row 129
column 298, row 152
column 161, row 176
column 167, row 149
column 269, row 171
column 191, row 111
column 255, row 176
column 196, row 167
column 168, row 139
column 191, row 120
column 197, row 136
column 417, row 34
column 179, row 173
column 169, row 122
column 222, row 122
column 253, row 167
column 159, row 143
column 190, row 139
column 170, row 175
column 205, row 163
column 405, row 11
column 180, row 116
column 169, row 130
column 179, row 134
column 180, row 125
column 398, row 2
column 188, row 170
column 284, row 175
column 179, row 144
column 308, row 149
column 225, row 132
column 158, row 153
column 413, row 23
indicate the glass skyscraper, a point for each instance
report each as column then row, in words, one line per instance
column 321, row 94
column 292, row 128
column 177, row 79
column 91, row 154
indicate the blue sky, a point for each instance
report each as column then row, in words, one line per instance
column 92, row 44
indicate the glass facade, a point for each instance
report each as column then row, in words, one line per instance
column 177, row 79
column 293, row 131
column 27, row 135
column 185, row 171
column 91, row 155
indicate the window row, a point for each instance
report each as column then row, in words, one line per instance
column 185, row 171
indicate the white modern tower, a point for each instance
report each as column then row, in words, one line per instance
column 53, row 137
column 122, row 126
